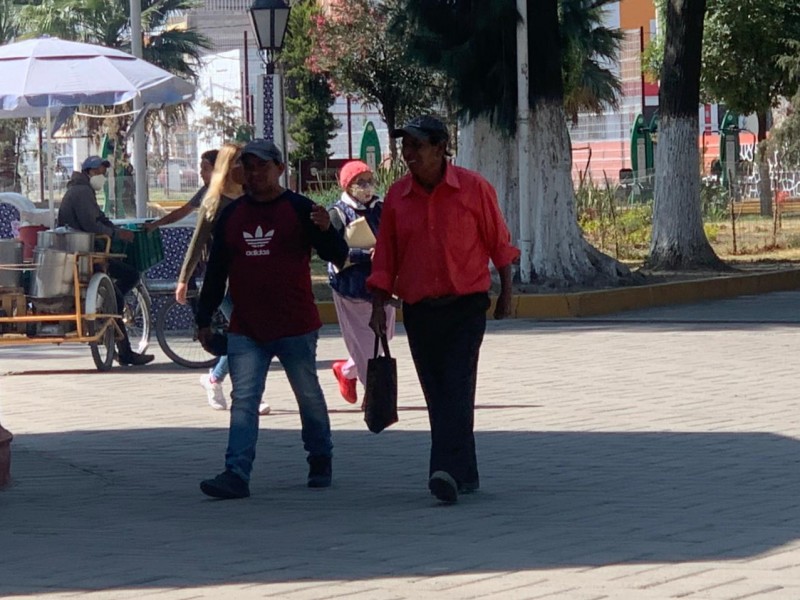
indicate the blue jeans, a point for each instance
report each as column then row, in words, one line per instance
column 249, row 363
column 220, row 370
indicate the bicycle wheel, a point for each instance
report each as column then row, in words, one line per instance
column 101, row 298
column 177, row 335
column 136, row 315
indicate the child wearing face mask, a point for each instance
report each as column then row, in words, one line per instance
column 351, row 298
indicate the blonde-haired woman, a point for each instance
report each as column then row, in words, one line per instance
column 224, row 188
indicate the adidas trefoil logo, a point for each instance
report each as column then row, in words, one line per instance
column 257, row 241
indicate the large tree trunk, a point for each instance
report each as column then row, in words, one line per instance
column 560, row 257
column 679, row 241
column 482, row 149
column 762, row 163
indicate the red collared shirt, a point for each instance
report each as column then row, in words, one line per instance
column 439, row 243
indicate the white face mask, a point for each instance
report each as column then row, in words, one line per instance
column 362, row 193
column 97, row 182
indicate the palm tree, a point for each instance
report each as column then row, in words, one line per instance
column 475, row 45
column 587, row 47
column 107, row 23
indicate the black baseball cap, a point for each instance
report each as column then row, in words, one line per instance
column 263, row 149
column 425, row 127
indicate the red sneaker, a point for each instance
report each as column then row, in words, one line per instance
column 347, row 387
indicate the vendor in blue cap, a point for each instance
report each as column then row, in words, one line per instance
column 79, row 210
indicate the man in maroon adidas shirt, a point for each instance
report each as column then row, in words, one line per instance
column 262, row 248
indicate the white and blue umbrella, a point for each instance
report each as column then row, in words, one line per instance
column 50, row 72
column 44, row 76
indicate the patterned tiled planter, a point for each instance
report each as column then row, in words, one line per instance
column 5, row 457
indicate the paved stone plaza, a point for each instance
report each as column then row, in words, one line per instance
column 648, row 455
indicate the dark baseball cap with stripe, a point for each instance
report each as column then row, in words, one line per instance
column 424, row 127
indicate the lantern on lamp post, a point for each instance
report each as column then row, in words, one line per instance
column 270, row 19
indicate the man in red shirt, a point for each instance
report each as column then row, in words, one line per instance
column 441, row 226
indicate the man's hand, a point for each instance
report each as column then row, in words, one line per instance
column 377, row 321
column 180, row 293
column 204, row 335
column 126, row 235
column 502, row 307
column 150, row 226
column 320, row 217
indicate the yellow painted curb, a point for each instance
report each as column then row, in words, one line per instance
column 603, row 302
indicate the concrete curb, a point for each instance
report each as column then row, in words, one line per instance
column 603, row 302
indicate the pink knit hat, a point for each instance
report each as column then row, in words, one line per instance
column 352, row 170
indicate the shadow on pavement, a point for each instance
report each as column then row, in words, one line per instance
column 91, row 510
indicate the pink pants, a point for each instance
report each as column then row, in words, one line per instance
column 359, row 339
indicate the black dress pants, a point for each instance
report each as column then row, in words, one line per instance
column 445, row 338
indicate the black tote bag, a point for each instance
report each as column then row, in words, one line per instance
column 380, row 399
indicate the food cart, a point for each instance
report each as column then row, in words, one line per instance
column 65, row 295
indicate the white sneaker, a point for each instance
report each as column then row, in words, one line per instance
column 216, row 399
column 263, row 408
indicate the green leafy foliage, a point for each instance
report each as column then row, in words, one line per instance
column 309, row 95
column 614, row 225
column 474, row 45
column 653, row 56
column 589, row 85
column 714, row 199
column 107, row 22
column 326, row 197
column 355, row 47
column 387, row 174
column 224, row 119
column 742, row 45
column 785, row 139
column 611, row 224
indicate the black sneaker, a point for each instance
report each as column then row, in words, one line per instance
column 134, row 358
column 319, row 471
column 444, row 487
column 227, row 485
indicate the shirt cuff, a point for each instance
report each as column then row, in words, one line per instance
column 505, row 257
column 379, row 281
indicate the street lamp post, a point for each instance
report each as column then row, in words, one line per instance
column 270, row 19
